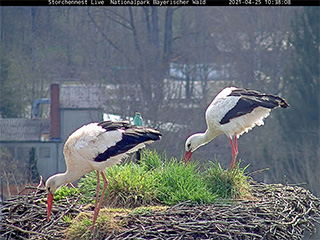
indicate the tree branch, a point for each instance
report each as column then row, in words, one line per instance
column 134, row 30
column 102, row 33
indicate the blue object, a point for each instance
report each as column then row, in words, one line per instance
column 36, row 104
column 137, row 120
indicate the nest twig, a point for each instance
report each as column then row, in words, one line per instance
column 275, row 212
column 24, row 217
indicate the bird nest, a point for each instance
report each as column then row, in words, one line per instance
column 275, row 211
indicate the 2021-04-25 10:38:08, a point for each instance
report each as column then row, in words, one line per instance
column 260, row 2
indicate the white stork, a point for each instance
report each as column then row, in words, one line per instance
column 94, row 147
column 232, row 112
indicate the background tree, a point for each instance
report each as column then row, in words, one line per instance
column 301, row 123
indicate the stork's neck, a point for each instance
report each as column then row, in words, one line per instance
column 60, row 179
column 201, row 139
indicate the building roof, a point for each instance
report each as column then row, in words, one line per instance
column 21, row 129
column 86, row 96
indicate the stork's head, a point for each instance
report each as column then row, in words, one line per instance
column 51, row 186
column 188, row 147
column 191, row 145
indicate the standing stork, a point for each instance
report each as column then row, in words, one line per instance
column 233, row 112
column 94, row 147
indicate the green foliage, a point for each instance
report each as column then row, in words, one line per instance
column 87, row 186
column 67, row 218
column 143, row 209
column 109, row 221
column 130, row 185
column 231, row 183
column 166, row 181
column 152, row 160
column 180, row 182
column 64, row 192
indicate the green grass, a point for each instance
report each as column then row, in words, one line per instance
column 158, row 180
column 131, row 186
column 179, row 182
column 64, row 192
column 108, row 221
column 227, row 184
column 152, row 161
column 152, row 185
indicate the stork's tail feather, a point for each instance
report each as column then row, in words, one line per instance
column 282, row 103
column 260, row 99
column 114, row 125
column 276, row 100
column 150, row 134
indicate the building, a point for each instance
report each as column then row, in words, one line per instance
column 70, row 108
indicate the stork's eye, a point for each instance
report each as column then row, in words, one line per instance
column 189, row 145
column 49, row 189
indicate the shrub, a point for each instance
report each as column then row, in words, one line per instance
column 230, row 183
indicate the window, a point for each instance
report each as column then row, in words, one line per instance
column 44, row 152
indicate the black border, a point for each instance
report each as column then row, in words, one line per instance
column 173, row 3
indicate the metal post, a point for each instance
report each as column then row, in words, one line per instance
column 2, row 189
column 137, row 120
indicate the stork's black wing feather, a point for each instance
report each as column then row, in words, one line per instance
column 110, row 125
column 249, row 100
column 131, row 137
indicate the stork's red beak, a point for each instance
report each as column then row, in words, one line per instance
column 187, row 156
column 49, row 203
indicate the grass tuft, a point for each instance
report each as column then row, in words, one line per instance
column 130, row 186
column 179, row 182
column 227, row 184
column 109, row 221
column 152, row 160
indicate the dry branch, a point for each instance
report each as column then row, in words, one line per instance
column 275, row 212
column 24, row 217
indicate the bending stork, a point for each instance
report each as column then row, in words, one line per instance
column 94, row 147
column 233, row 112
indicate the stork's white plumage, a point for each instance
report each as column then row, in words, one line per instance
column 233, row 112
column 94, row 147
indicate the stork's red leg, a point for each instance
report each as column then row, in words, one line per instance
column 236, row 144
column 105, row 184
column 97, row 191
column 234, row 148
column 98, row 206
column 95, row 212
